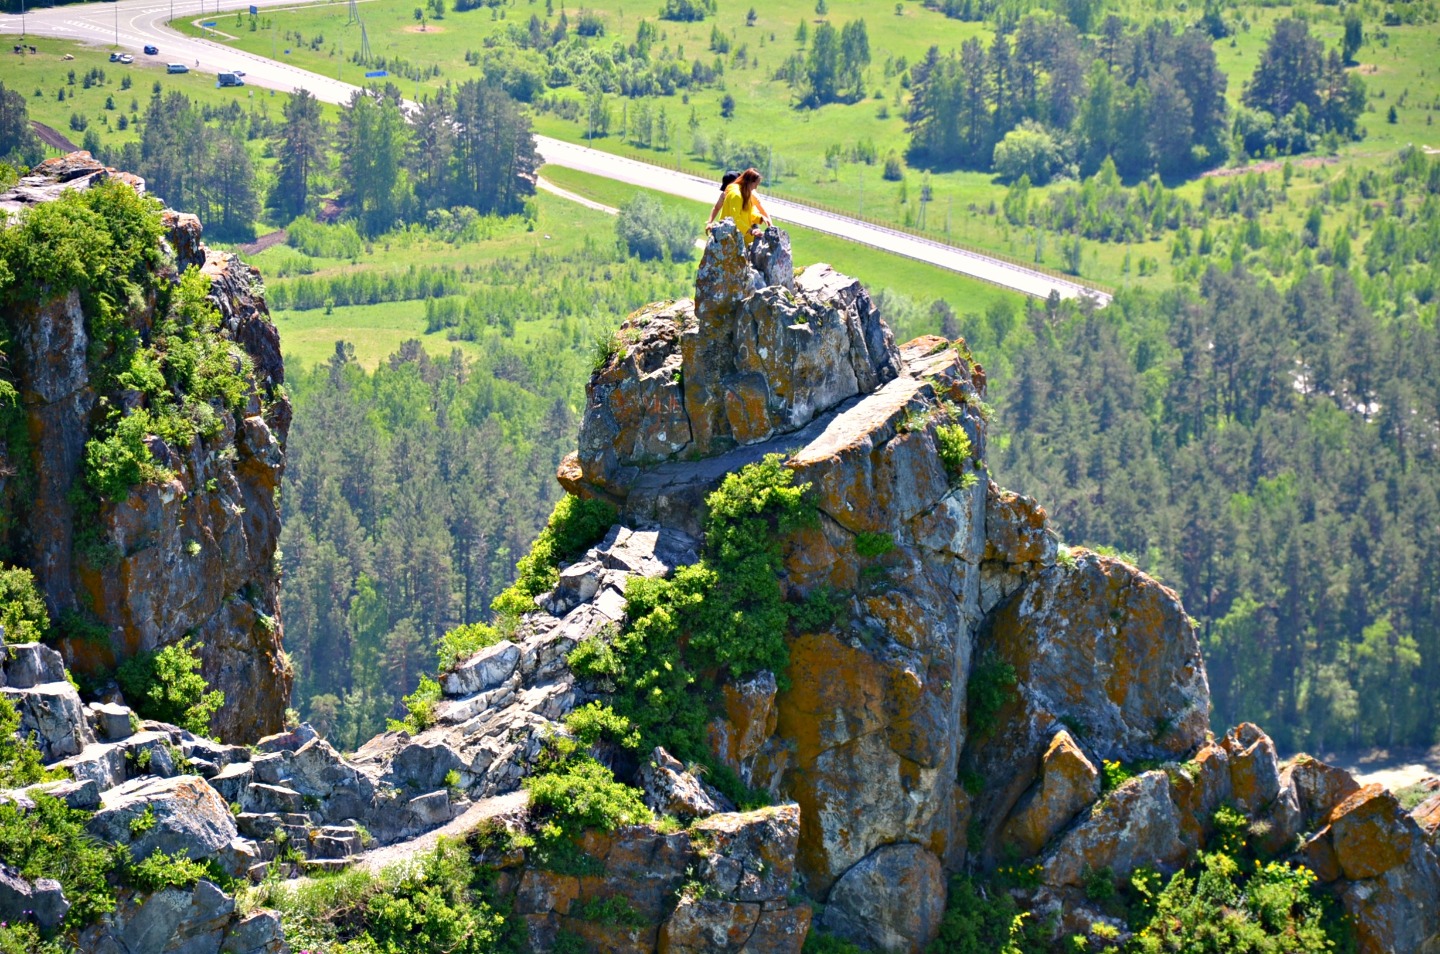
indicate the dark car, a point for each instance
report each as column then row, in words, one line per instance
column 152, row 50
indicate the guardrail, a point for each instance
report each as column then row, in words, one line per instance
column 676, row 165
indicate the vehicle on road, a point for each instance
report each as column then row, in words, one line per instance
column 114, row 57
column 230, row 79
column 238, row 72
column 176, row 68
column 126, row 58
column 151, row 50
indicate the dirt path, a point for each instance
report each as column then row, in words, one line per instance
column 269, row 240
column 457, row 827
column 1393, row 768
column 52, row 137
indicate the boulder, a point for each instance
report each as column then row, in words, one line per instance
column 1398, row 910
column 1319, row 787
column 260, row 932
column 172, row 921
column 671, row 790
column 750, row 855
column 1103, row 649
column 1135, row 825
column 1254, row 768
column 483, row 671
column 1068, row 782
column 1371, row 833
column 1427, row 816
column 770, row 257
column 53, row 714
column 43, row 901
column 181, row 814
column 110, row 721
column 702, row 925
column 288, row 740
column 892, row 900
column 26, row 665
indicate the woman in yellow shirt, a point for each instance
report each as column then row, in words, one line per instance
column 741, row 205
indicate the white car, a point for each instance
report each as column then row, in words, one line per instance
column 126, row 58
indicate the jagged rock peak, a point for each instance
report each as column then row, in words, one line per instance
column 756, row 354
column 189, row 555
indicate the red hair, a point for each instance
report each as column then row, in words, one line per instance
column 749, row 179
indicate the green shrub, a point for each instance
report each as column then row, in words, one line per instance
column 442, row 900
column 574, row 526
column 419, row 708
column 727, row 610
column 1113, row 775
column 818, row 942
column 983, row 919
column 595, row 722
column 26, row 939
column 1220, row 908
column 22, row 609
column 462, row 642
column 581, row 793
column 616, row 910
column 953, row 443
column 992, row 684
column 167, row 686
column 160, row 871
column 871, row 545
column 50, row 841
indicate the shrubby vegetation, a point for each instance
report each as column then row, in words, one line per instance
column 442, row 900
column 23, row 617
column 167, row 686
column 724, row 615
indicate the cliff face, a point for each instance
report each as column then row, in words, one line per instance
column 954, row 706
column 192, row 555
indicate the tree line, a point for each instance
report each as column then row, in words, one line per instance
column 1043, row 100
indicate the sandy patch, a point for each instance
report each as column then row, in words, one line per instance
column 427, row 28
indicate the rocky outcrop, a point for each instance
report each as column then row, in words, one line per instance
column 190, row 556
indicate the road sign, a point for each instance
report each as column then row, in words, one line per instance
column 254, row 10
column 373, row 74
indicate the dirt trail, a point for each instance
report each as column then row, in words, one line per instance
column 1393, row 768
column 457, row 827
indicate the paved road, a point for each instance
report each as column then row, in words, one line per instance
column 131, row 24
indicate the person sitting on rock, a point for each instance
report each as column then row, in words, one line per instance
column 742, row 206
column 725, row 181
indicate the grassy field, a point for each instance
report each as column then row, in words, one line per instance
column 42, row 77
column 1399, row 63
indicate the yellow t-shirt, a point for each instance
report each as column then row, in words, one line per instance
column 733, row 207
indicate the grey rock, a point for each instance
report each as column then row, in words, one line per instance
column 891, row 900
column 103, row 763
column 26, row 665
column 43, row 901
column 259, row 797
column 271, row 768
column 258, row 933
column 431, row 809
column 111, row 722
column 670, row 790
column 188, row 816
column 287, row 741
column 232, row 780
column 770, row 256
column 483, row 671
column 52, row 711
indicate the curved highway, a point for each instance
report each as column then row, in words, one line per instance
column 132, row 24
